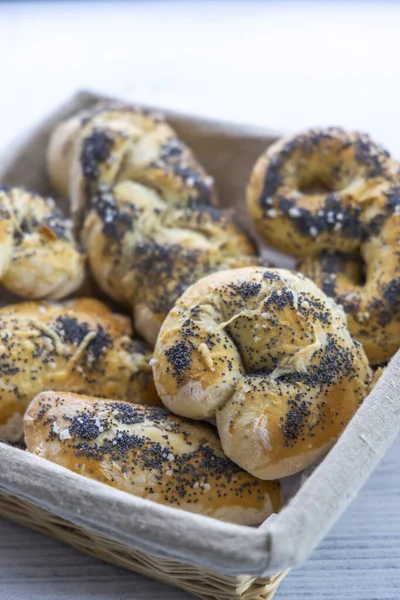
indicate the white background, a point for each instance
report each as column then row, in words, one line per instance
column 285, row 65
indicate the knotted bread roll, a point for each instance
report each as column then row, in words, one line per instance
column 39, row 257
column 332, row 198
column 146, row 204
column 267, row 354
column 113, row 142
column 148, row 452
column 145, row 253
column 78, row 346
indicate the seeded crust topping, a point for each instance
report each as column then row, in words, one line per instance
column 39, row 255
column 277, row 349
column 75, row 347
column 146, row 253
column 114, row 142
column 174, row 163
column 147, row 209
column 332, row 198
column 139, row 450
column 146, row 451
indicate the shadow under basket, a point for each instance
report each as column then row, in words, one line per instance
column 201, row 555
column 200, row 582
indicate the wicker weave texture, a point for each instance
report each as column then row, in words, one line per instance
column 202, row 583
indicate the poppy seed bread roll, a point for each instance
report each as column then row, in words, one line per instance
column 267, row 354
column 145, row 209
column 145, row 253
column 39, row 257
column 113, row 142
column 331, row 198
column 78, row 346
column 148, row 452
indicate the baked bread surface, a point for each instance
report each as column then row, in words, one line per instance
column 331, row 198
column 145, row 253
column 39, row 257
column 113, row 142
column 78, row 346
column 267, row 354
column 145, row 209
column 148, row 452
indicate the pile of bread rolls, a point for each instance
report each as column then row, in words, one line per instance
column 220, row 374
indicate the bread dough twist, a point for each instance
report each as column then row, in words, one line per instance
column 78, row 346
column 114, row 142
column 150, row 228
column 332, row 198
column 267, row 354
column 145, row 253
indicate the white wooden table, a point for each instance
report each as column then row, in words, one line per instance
column 281, row 64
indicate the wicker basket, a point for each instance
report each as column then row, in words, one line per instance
column 201, row 582
column 199, row 554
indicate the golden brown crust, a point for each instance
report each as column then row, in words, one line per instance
column 113, row 142
column 269, row 355
column 79, row 346
column 150, row 228
column 145, row 253
column 373, row 309
column 148, row 452
column 39, row 257
column 332, row 198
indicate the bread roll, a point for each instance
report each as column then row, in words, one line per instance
column 146, row 205
column 112, row 142
column 148, row 452
column 39, row 257
column 78, row 346
column 332, row 198
column 267, row 354
column 145, row 253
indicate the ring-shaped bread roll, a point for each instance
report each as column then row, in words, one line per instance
column 267, row 354
column 148, row 452
column 78, row 346
column 145, row 253
column 332, row 198
column 113, row 142
column 39, row 257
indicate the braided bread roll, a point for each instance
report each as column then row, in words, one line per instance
column 145, row 253
column 39, row 257
column 78, row 346
column 148, row 452
column 267, row 354
column 112, row 142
